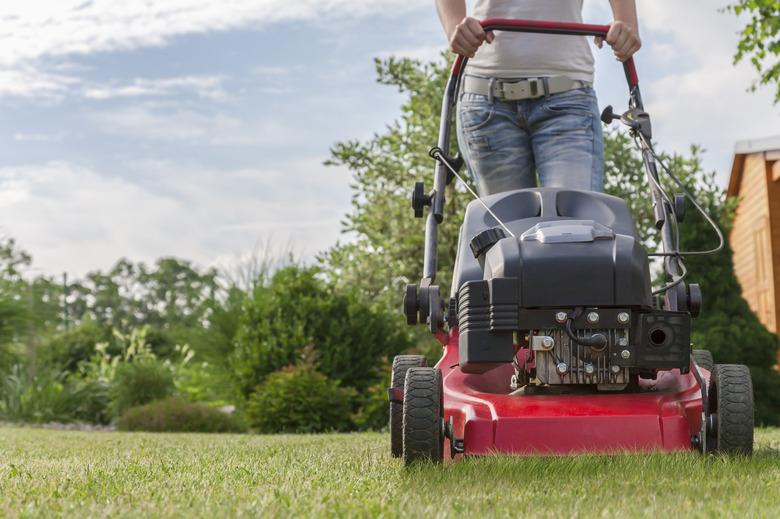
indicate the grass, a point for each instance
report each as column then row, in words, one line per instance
column 78, row 474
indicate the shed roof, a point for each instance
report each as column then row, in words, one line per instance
column 746, row 147
column 757, row 145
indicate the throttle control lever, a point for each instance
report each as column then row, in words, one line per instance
column 636, row 119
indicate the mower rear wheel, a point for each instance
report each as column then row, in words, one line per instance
column 401, row 363
column 423, row 416
column 730, row 417
column 704, row 359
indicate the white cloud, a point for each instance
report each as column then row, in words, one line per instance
column 424, row 53
column 209, row 87
column 162, row 123
column 37, row 29
column 144, row 122
column 76, row 219
column 29, row 81
column 264, row 71
column 38, row 137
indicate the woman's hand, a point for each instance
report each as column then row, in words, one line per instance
column 467, row 36
column 623, row 38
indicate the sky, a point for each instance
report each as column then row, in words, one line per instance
column 198, row 129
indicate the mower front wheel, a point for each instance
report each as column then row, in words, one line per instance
column 730, row 418
column 401, row 364
column 423, row 437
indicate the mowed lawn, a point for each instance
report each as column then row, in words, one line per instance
column 78, row 474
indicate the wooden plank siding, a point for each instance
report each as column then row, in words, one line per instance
column 756, row 229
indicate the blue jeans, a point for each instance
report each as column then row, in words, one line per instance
column 507, row 143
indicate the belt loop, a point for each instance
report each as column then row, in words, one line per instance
column 546, row 85
column 491, row 84
column 462, row 86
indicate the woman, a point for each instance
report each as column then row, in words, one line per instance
column 527, row 105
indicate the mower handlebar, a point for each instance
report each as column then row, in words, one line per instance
column 576, row 29
column 543, row 27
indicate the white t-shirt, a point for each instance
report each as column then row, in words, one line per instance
column 518, row 55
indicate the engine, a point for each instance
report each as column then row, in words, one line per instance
column 559, row 359
column 567, row 299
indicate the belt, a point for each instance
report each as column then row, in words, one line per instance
column 516, row 90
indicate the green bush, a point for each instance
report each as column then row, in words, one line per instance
column 177, row 415
column 300, row 400
column 13, row 319
column 138, row 383
column 160, row 342
column 52, row 395
column 90, row 401
column 766, row 388
column 66, row 350
column 205, row 382
column 297, row 309
column 373, row 407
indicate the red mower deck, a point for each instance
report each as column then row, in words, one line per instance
column 490, row 420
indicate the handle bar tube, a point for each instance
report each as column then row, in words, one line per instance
column 436, row 214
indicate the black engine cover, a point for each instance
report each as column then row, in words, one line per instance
column 570, row 249
column 604, row 272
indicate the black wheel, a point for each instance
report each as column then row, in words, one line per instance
column 730, row 417
column 401, row 364
column 423, row 416
column 704, row 359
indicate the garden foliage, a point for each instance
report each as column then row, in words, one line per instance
column 307, row 349
column 179, row 415
column 298, row 310
column 299, row 399
column 759, row 40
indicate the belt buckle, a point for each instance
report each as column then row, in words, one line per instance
column 525, row 89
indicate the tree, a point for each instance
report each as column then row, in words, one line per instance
column 12, row 316
column 13, row 261
column 23, row 308
column 759, row 40
column 173, row 293
column 388, row 248
column 66, row 349
column 387, row 252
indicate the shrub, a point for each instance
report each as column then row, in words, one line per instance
column 766, row 388
column 12, row 320
column 373, row 407
column 90, row 401
column 300, row 400
column 137, row 383
column 66, row 350
column 351, row 336
column 177, row 415
column 205, row 382
column 52, row 395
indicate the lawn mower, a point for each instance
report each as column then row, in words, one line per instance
column 553, row 340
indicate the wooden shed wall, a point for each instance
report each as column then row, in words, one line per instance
column 751, row 239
